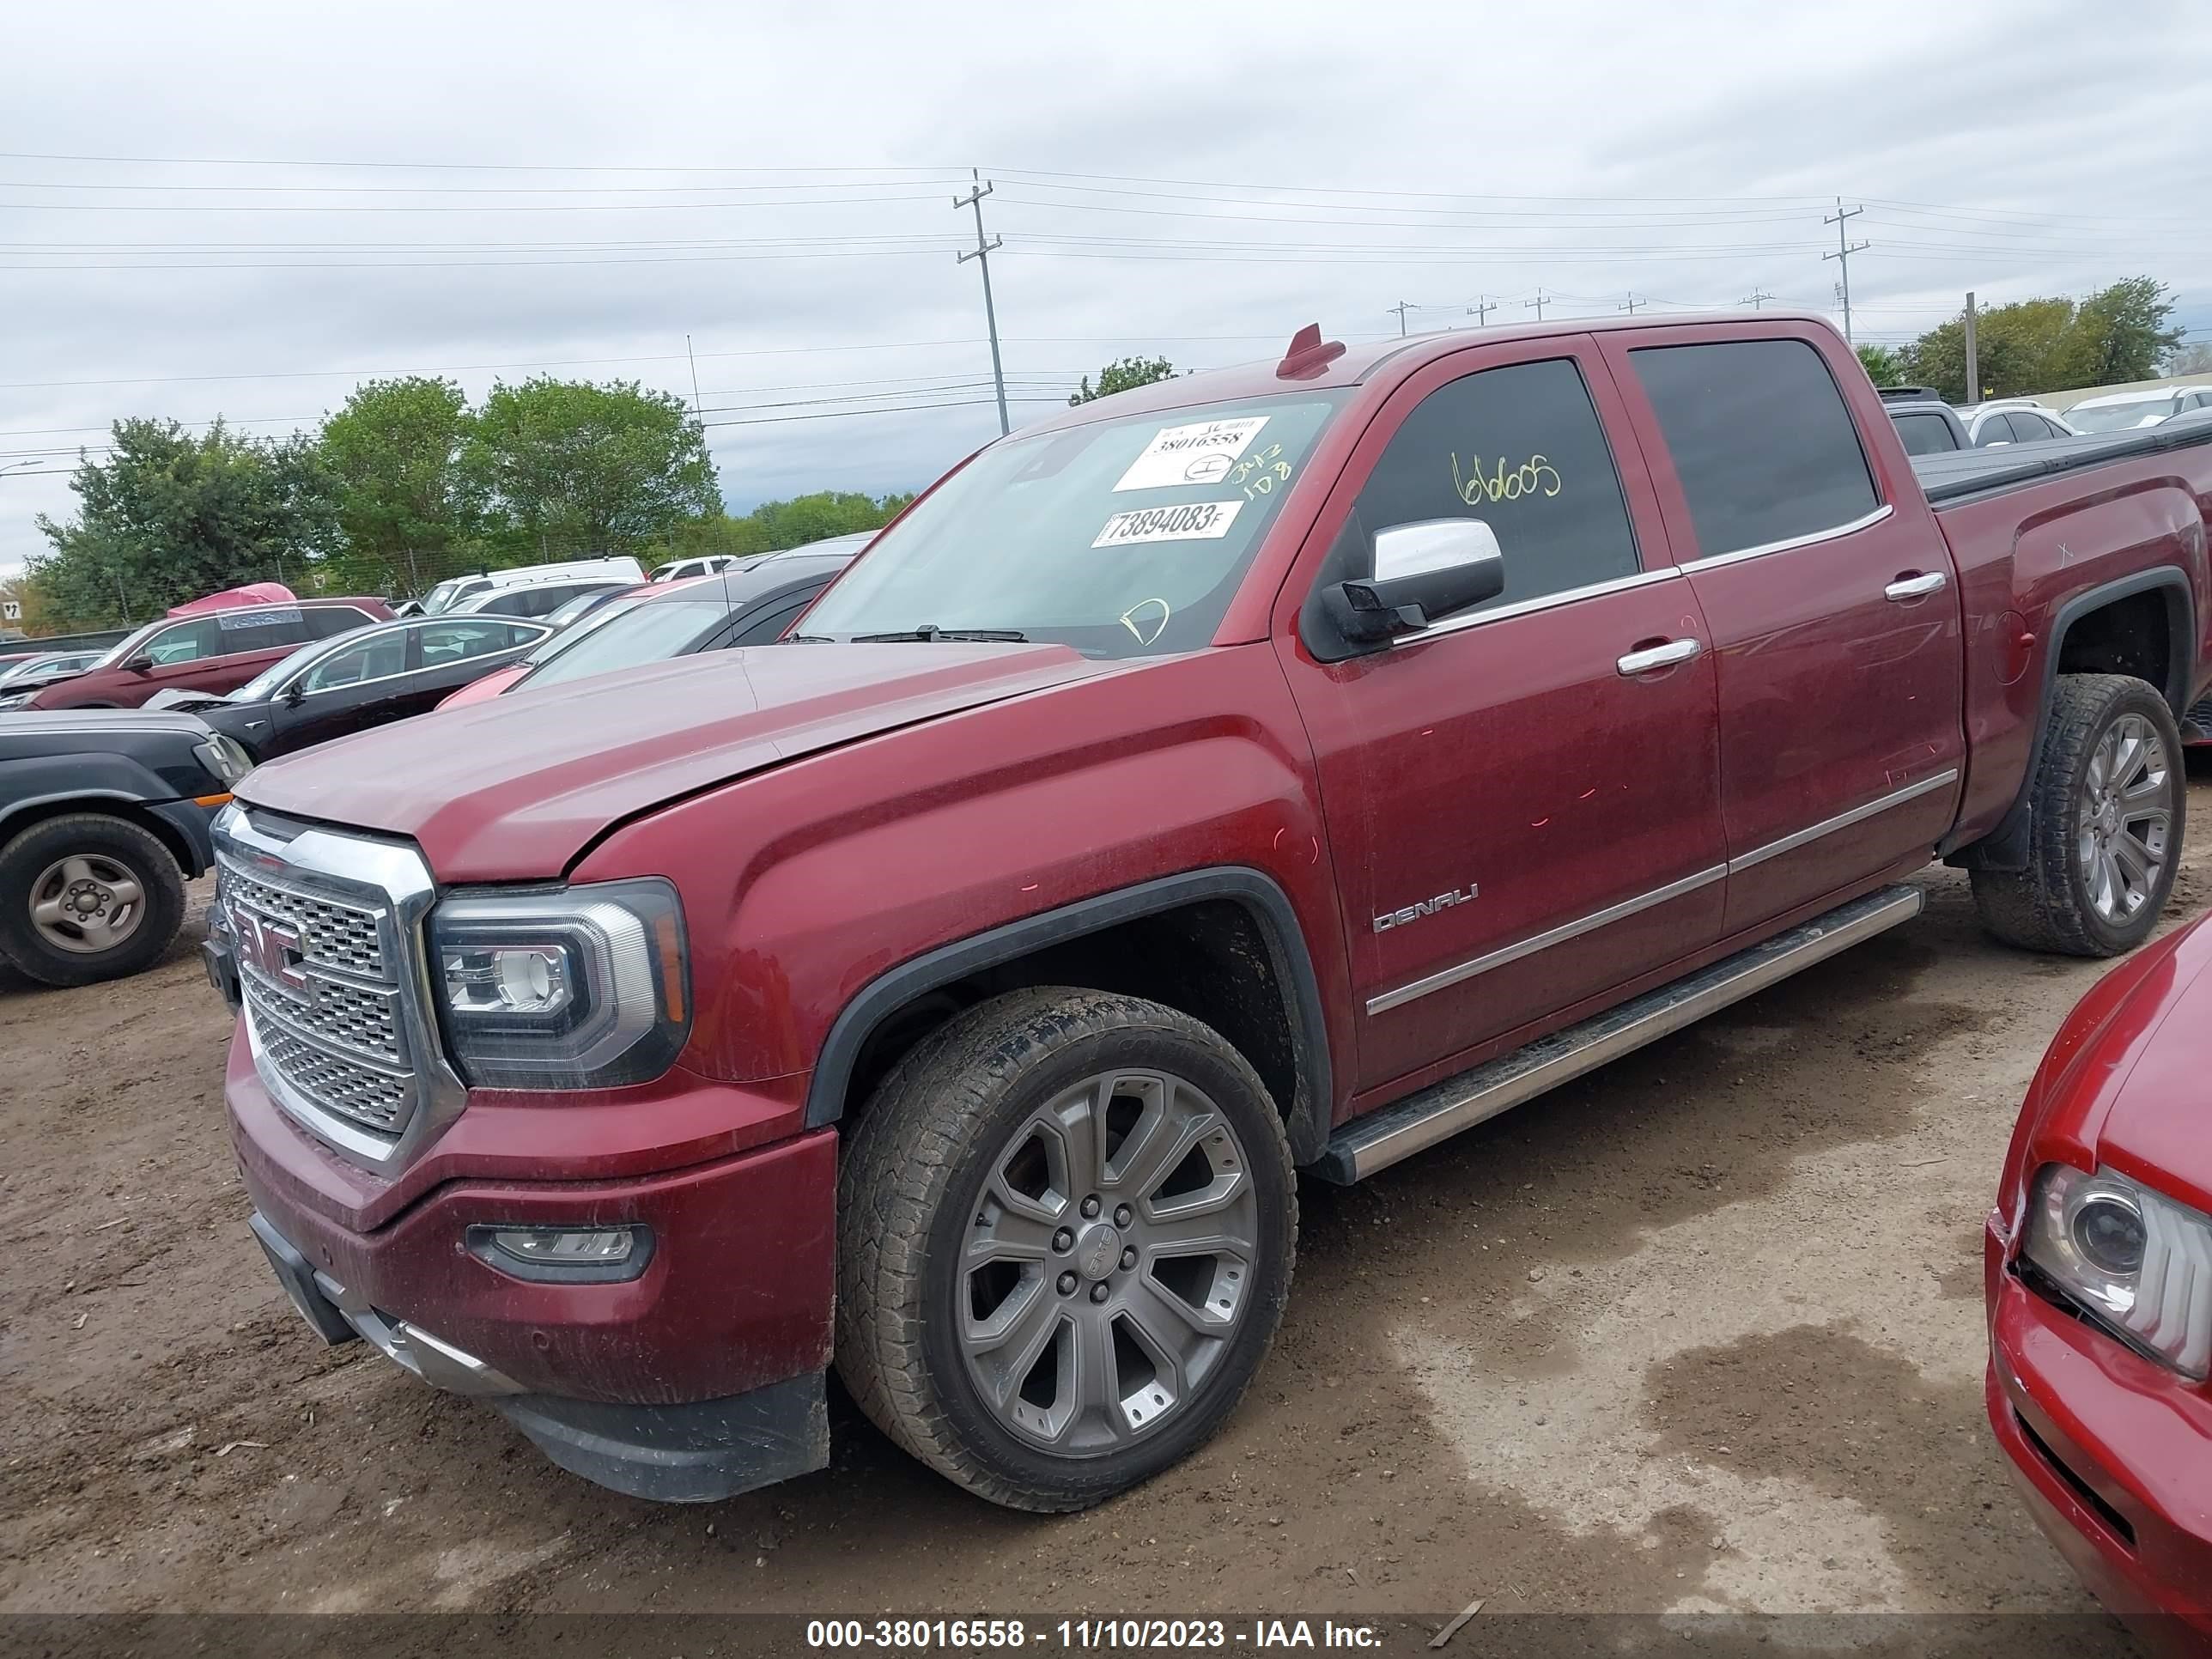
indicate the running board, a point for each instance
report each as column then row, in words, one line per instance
column 1405, row 1127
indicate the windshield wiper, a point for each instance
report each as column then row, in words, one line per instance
column 932, row 631
column 807, row 639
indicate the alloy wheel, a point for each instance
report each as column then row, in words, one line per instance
column 1109, row 1263
column 86, row 903
column 2126, row 819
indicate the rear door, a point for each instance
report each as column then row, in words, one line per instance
column 1523, row 801
column 1833, row 607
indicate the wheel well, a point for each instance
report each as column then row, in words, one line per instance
column 108, row 806
column 2130, row 635
column 1210, row 959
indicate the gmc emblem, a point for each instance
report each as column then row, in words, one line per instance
column 270, row 948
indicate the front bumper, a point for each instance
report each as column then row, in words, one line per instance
column 698, row 1452
column 699, row 1377
column 2114, row 1455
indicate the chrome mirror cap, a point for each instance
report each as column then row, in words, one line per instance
column 1432, row 545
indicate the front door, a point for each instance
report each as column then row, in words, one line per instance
column 1835, row 615
column 1523, row 801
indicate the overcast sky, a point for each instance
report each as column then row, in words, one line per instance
column 497, row 188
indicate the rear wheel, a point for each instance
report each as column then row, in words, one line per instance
column 1067, row 1227
column 87, row 897
column 2105, row 810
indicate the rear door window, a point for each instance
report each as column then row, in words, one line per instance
column 1762, row 442
column 1926, row 434
column 1521, row 448
column 325, row 621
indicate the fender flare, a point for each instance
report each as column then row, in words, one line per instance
column 1257, row 893
column 2005, row 848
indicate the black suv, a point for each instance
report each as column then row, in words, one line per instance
column 103, row 815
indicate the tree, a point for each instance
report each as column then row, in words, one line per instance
column 1121, row 376
column 2193, row 359
column 2119, row 334
column 1883, row 366
column 393, row 454
column 575, row 469
column 2115, row 334
column 169, row 517
column 774, row 525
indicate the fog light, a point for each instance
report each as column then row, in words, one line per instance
column 574, row 1255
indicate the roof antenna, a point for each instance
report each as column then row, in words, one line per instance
column 1309, row 355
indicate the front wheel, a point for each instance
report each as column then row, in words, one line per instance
column 87, row 897
column 1067, row 1223
column 2105, row 810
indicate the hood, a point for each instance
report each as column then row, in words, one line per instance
column 513, row 789
column 2151, row 1121
column 80, row 731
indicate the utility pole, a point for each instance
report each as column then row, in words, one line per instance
column 1480, row 311
column 981, row 255
column 1973, row 367
column 1402, row 308
column 1632, row 303
column 1537, row 304
column 1842, row 256
column 1756, row 298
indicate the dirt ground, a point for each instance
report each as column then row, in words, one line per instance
column 1701, row 1332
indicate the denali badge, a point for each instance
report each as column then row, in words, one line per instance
column 1427, row 908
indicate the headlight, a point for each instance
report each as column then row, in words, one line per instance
column 223, row 758
column 2135, row 1261
column 18, row 700
column 571, row 987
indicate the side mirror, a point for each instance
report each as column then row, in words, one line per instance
column 1423, row 572
column 293, row 695
column 138, row 665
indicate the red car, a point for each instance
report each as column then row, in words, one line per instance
column 1280, row 767
column 215, row 652
column 2098, row 1269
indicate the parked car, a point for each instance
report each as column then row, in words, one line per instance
column 2123, row 411
column 535, row 599
column 2013, row 421
column 684, row 569
column 370, row 676
column 2098, row 1274
column 676, row 619
column 20, row 679
column 215, row 652
column 103, row 818
column 1234, row 775
column 1929, row 426
column 447, row 595
column 575, row 610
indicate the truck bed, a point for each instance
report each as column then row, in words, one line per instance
column 1969, row 474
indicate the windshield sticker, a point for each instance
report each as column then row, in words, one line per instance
column 229, row 619
column 1199, row 521
column 1196, row 454
column 1534, row 476
column 1259, row 473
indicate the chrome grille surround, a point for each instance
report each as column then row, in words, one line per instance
column 328, row 930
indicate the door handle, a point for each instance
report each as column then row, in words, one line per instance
column 1657, row 656
column 1915, row 588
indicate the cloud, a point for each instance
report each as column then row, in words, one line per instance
column 1195, row 183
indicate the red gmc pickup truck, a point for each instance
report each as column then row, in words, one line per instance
column 1269, row 770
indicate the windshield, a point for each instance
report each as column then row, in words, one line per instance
column 2120, row 418
column 1121, row 538
column 640, row 633
column 263, row 686
column 447, row 593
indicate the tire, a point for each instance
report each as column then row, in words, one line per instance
column 954, row 1160
column 2082, row 834
column 108, row 851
